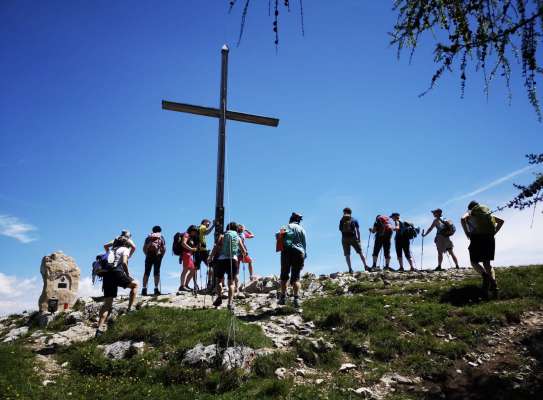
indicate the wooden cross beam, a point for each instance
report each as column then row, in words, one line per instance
column 222, row 114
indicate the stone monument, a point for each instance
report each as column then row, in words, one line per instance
column 60, row 283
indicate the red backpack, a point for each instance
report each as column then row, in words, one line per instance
column 155, row 245
column 382, row 224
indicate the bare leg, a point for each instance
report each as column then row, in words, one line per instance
column 439, row 258
column 284, row 288
column 491, row 274
column 183, row 276
column 363, row 260
column 133, row 287
column 451, row 252
column 146, row 280
column 296, row 288
column 251, row 270
column 104, row 311
column 348, row 260
column 157, row 280
column 231, row 289
column 189, row 277
column 410, row 261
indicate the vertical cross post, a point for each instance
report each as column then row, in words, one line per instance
column 221, row 153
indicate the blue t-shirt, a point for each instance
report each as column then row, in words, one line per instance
column 354, row 227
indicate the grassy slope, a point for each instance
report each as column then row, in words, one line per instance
column 402, row 329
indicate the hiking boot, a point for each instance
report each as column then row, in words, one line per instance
column 350, row 271
column 282, row 300
column 438, row 268
column 296, row 303
column 157, row 292
column 388, row 269
column 401, row 270
column 98, row 333
column 218, row 301
column 144, row 291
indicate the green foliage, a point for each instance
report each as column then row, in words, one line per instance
column 325, row 359
column 17, row 377
column 265, row 366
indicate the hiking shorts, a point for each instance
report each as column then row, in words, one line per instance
column 199, row 257
column 187, row 260
column 443, row 243
column 247, row 259
column 348, row 242
column 292, row 263
column 113, row 280
column 403, row 245
column 482, row 248
column 153, row 263
column 382, row 241
column 228, row 266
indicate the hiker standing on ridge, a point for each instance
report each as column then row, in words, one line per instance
column 202, row 253
column 480, row 226
column 154, row 249
column 405, row 231
column 246, row 234
column 445, row 229
column 121, row 249
column 383, row 234
column 225, row 255
column 350, row 237
column 188, row 248
column 291, row 241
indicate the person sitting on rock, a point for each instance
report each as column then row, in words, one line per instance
column 225, row 255
column 442, row 240
column 121, row 250
column 480, row 226
column 292, row 244
column 154, row 249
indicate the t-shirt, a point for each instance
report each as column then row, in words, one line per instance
column 118, row 256
column 354, row 225
column 202, row 232
column 298, row 240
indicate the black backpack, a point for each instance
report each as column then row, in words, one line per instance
column 347, row 226
column 177, row 247
column 408, row 230
column 449, row 228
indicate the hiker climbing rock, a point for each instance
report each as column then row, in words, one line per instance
column 405, row 232
column 117, row 275
column 350, row 237
column 445, row 229
column 291, row 241
column 480, row 226
column 154, row 249
column 383, row 229
column 225, row 255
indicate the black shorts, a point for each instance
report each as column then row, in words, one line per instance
column 230, row 267
column 154, row 263
column 199, row 257
column 292, row 263
column 382, row 241
column 482, row 248
column 350, row 241
column 403, row 245
column 113, row 280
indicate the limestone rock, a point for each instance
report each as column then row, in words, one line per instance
column 15, row 334
column 123, row 349
column 201, row 354
column 365, row 393
column 238, row 357
column 280, row 373
column 346, row 367
column 60, row 276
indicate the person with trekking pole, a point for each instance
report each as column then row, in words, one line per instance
column 445, row 229
column 405, row 231
column 480, row 227
column 350, row 237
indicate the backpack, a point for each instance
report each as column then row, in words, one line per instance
column 103, row 264
column 154, row 245
column 177, row 247
column 288, row 238
column 408, row 230
column 448, row 228
column 230, row 244
column 347, row 226
column 482, row 220
column 382, row 224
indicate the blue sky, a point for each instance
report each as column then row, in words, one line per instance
column 86, row 149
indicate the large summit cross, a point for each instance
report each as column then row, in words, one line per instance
column 223, row 114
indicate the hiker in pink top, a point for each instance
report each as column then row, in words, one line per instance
column 246, row 234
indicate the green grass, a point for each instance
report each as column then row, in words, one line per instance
column 408, row 327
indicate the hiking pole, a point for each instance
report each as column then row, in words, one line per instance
column 368, row 247
column 422, row 251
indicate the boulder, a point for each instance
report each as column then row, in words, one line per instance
column 60, row 276
column 15, row 334
column 73, row 318
column 123, row 349
column 346, row 367
column 238, row 357
column 280, row 373
column 365, row 393
column 201, row 354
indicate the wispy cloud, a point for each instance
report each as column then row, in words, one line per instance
column 12, row 227
column 490, row 185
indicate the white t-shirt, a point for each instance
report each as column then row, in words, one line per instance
column 119, row 253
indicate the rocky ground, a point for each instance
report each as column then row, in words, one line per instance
column 514, row 350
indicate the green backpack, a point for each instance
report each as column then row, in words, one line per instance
column 288, row 238
column 482, row 220
column 230, row 244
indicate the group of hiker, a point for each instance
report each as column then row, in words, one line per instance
column 478, row 223
column 230, row 250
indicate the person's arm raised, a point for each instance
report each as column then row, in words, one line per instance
column 499, row 223
column 464, row 223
